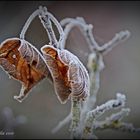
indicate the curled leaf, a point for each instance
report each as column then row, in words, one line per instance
column 69, row 74
column 22, row 62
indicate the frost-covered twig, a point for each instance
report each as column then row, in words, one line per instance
column 127, row 127
column 86, row 29
column 115, row 122
column 100, row 110
column 46, row 18
column 28, row 22
column 95, row 66
column 75, row 112
column 111, row 121
column 119, row 37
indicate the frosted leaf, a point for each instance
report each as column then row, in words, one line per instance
column 21, row 66
column 69, row 74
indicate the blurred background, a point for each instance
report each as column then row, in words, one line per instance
column 121, row 74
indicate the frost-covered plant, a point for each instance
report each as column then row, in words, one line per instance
column 69, row 76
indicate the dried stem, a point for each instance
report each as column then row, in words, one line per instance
column 46, row 18
column 28, row 22
column 75, row 111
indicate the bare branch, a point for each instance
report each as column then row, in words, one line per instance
column 119, row 102
column 84, row 28
column 87, row 32
column 100, row 110
column 111, row 121
column 114, row 122
column 119, row 37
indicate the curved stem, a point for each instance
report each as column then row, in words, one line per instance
column 28, row 22
column 47, row 25
column 86, row 30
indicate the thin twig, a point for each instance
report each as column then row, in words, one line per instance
column 127, row 127
column 86, row 29
column 100, row 110
column 28, row 22
column 45, row 20
column 115, row 122
column 111, row 121
column 119, row 37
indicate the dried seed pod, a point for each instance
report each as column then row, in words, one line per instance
column 69, row 74
column 24, row 63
